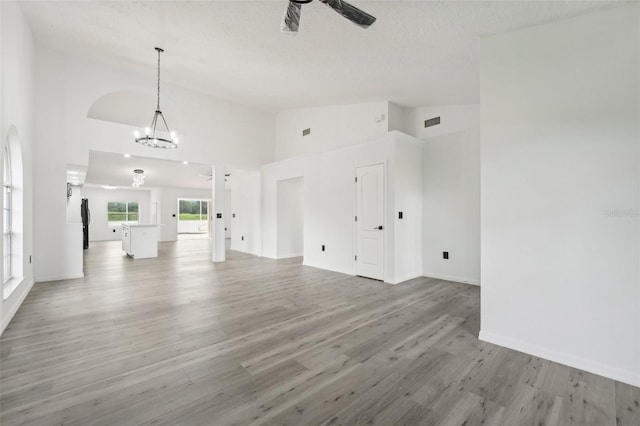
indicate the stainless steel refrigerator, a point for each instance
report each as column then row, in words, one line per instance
column 86, row 220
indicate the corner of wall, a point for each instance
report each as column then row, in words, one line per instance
column 629, row 377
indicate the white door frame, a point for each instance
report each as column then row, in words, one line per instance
column 384, row 217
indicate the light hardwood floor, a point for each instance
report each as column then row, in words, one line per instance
column 178, row 340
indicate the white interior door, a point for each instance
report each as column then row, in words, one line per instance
column 369, row 222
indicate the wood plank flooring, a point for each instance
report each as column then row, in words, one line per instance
column 178, row 340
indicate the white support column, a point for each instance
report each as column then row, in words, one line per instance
column 217, row 212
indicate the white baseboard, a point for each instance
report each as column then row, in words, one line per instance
column 289, row 255
column 451, row 278
column 340, row 271
column 248, row 252
column 21, row 292
column 407, row 278
column 59, row 277
column 625, row 376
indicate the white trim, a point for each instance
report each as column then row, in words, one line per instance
column 625, row 376
column 385, row 221
column 451, row 278
column 59, row 277
column 324, row 268
column 287, row 256
column 10, row 286
column 407, row 278
column 8, row 316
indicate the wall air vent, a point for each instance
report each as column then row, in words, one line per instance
column 432, row 122
column 306, row 132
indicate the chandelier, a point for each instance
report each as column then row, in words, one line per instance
column 138, row 178
column 165, row 139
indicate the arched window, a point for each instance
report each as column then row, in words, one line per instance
column 6, row 215
column 12, row 214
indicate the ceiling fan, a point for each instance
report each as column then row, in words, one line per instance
column 291, row 21
column 209, row 176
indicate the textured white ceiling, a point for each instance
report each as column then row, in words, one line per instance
column 417, row 53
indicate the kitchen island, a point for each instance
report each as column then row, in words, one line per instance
column 140, row 241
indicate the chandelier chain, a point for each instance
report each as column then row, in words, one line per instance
column 151, row 138
column 158, row 80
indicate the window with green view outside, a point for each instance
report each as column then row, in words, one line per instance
column 122, row 212
column 193, row 209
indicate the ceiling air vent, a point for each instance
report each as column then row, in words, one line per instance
column 306, row 132
column 432, row 122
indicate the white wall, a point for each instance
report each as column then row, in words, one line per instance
column 99, row 228
column 155, row 207
column 451, row 188
column 451, row 206
column 408, row 200
column 212, row 131
column 400, row 119
column 271, row 175
column 246, row 225
column 453, row 119
column 290, row 211
column 560, row 191
column 74, row 204
column 329, row 204
column 332, row 127
column 227, row 213
column 330, row 194
column 17, row 110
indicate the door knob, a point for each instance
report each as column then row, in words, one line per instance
column 378, row 227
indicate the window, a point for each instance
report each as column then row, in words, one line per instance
column 193, row 209
column 119, row 212
column 12, row 214
column 6, row 215
column 193, row 217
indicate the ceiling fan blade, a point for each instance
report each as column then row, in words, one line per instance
column 207, row 176
column 291, row 19
column 352, row 13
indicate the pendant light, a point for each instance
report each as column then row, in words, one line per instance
column 165, row 139
column 138, row 178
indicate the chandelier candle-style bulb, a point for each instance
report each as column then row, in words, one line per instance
column 151, row 138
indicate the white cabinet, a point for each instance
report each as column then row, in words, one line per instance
column 140, row 241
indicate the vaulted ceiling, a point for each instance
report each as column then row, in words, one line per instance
column 417, row 53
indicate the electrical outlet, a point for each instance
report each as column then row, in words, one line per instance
column 323, row 247
column 29, row 259
column 445, row 255
column 400, row 215
column 243, row 238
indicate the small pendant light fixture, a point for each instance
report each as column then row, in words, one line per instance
column 150, row 138
column 138, row 178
